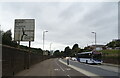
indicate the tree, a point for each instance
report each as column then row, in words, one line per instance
column 1, row 33
column 57, row 53
column 75, row 46
column 88, row 48
column 67, row 51
column 7, row 38
column 117, row 43
column 62, row 53
column 75, row 49
column 114, row 43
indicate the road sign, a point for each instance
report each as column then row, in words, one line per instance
column 24, row 29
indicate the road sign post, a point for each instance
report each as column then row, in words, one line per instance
column 24, row 31
column 29, row 55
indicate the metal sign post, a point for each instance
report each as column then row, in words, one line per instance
column 24, row 31
column 29, row 55
column 18, row 44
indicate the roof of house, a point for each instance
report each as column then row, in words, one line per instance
column 98, row 45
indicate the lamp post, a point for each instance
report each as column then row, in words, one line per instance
column 44, row 38
column 50, row 46
column 95, row 39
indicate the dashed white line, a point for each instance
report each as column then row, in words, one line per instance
column 57, row 69
column 63, row 69
column 68, row 69
column 69, row 76
column 60, row 66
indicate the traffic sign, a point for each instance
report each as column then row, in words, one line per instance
column 24, row 29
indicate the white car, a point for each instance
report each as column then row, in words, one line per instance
column 74, row 59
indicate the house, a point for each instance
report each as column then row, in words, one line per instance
column 98, row 47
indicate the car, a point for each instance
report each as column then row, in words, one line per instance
column 74, row 59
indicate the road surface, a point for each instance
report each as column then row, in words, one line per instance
column 51, row 68
column 58, row 67
column 103, row 71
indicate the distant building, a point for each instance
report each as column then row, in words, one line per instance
column 117, row 48
column 98, row 47
column 51, row 52
column 109, row 48
column 45, row 53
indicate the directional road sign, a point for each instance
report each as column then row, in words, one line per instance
column 24, row 29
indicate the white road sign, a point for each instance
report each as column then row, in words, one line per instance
column 24, row 29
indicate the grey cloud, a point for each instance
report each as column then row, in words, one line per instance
column 99, row 14
column 69, row 23
column 71, row 11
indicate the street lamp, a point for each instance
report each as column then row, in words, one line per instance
column 50, row 46
column 44, row 38
column 95, row 39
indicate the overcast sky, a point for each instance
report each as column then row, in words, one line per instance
column 67, row 23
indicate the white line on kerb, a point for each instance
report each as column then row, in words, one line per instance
column 87, row 73
column 60, row 66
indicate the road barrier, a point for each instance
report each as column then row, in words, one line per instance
column 15, row 60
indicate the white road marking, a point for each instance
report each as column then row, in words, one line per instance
column 87, row 73
column 60, row 66
column 69, row 76
column 94, row 65
column 68, row 69
column 63, row 69
column 57, row 69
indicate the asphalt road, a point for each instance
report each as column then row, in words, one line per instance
column 51, row 67
column 94, row 70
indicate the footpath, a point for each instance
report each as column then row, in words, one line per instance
column 40, row 69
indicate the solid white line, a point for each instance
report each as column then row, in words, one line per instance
column 87, row 73
column 60, row 66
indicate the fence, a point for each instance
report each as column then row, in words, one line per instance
column 15, row 60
